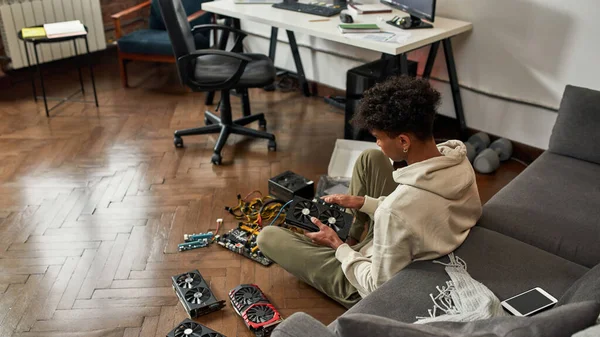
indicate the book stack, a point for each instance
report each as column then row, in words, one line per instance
column 64, row 29
column 358, row 9
column 350, row 28
column 33, row 32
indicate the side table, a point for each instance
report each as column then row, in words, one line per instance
column 39, row 40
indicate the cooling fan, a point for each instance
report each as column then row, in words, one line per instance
column 189, row 328
column 303, row 210
column 195, row 295
column 261, row 318
column 334, row 216
column 259, row 315
column 189, row 280
column 245, row 295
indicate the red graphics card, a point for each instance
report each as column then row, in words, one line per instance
column 259, row 315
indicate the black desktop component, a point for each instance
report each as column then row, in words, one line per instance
column 346, row 18
column 242, row 240
column 301, row 210
column 418, row 10
column 289, row 184
column 189, row 328
column 361, row 78
column 309, row 9
column 195, row 295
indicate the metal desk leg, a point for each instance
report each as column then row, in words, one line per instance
column 78, row 67
column 37, row 60
column 237, row 25
column 458, row 106
column 403, row 59
column 298, row 62
column 89, row 57
column 273, row 43
column 272, row 49
column 32, row 71
column 431, row 59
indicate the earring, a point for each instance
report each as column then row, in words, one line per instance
column 405, row 150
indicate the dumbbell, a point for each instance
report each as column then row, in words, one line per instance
column 489, row 159
column 477, row 143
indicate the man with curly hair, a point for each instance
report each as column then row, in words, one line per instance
column 420, row 211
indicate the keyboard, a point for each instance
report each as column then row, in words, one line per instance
column 309, row 9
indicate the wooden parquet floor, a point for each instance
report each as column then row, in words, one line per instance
column 93, row 203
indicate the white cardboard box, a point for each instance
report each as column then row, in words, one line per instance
column 344, row 156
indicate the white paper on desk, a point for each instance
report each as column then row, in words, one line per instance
column 380, row 37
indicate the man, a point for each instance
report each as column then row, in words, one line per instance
column 418, row 212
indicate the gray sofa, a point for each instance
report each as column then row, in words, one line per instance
column 541, row 230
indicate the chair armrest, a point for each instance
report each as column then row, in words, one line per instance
column 117, row 17
column 185, row 62
column 196, row 15
column 131, row 10
column 200, row 28
column 240, row 34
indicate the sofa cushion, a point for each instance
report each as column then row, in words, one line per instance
column 153, row 42
column 503, row 264
column 587, row 288
column 301, row 325
column 558, row 322
column 575, row 133
column 552, row 205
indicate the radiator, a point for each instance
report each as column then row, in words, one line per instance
column 16, row 14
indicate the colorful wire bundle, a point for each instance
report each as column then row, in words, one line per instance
column 258, row 210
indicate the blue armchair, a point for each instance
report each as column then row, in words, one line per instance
column 153, row 44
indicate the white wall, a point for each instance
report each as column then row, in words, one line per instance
column 521, row 49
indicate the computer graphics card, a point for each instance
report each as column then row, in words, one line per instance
column 259, row 315
column 301, row 210
column 242, row 240
column 195, row 295
column 189, row 328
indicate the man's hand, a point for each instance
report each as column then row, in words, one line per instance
column 344, row 200
column 325, row 236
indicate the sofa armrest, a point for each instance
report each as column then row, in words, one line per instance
column 575, row 133
column 117, row 17
column 301, row 325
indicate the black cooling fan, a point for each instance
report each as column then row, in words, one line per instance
column 197, row 295
column 189, row 328
column 304, row 210
column 189, row 280
column 332, row 218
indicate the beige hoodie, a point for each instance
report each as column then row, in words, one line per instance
column 428, row 215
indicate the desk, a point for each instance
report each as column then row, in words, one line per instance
column 292, row 22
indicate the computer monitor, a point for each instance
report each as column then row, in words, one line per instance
column 418, row 10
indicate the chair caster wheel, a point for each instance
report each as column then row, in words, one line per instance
column 262, row 124
column 270, row 87
column 178, row 142
column 207, row 121
column 216, row 159
column 272, row 145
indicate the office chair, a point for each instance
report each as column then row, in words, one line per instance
column 211, row 70
column 153, row 44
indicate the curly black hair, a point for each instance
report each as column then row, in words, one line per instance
column 399, row 104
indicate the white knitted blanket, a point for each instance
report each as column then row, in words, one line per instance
column 462, row 299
